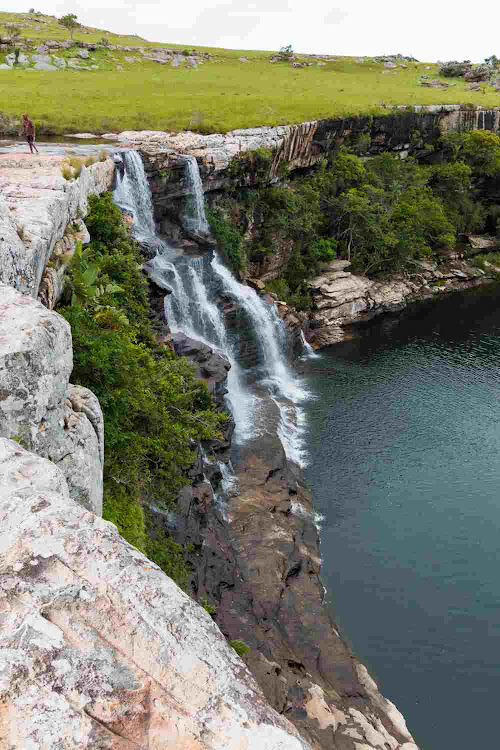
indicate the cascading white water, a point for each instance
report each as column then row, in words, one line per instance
column 271, row 333
column 309, row 352
column 133, row 195
column 196, row 284
column 190, row 310
column 195, row 218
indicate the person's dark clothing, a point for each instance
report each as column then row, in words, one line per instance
column 29, row 129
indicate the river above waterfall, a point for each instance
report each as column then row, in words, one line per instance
column 404, row 444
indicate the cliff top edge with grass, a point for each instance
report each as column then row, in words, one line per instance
column 88, row 79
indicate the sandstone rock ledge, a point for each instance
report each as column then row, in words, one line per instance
column 342, row 299
column 36, row 206
column 101, row 650
column 39, row 407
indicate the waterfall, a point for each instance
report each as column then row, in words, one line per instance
column 195, row 219
column 132, row 194
column 190, row 310
column 262, row 398
column 309, row 352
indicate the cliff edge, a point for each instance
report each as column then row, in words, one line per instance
column 99, row 648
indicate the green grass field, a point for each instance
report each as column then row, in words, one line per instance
column 221, row 95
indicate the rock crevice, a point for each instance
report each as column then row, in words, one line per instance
column 39, row 407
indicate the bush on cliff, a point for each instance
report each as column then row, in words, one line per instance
column 379, row 214
column 479, row 149
column 229, row 240
column 153, row 406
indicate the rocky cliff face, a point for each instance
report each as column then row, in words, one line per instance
column 342, row 300
column 223, row 157
column 262, row 568
column 39, row 407
column 112, row 653
column 98, row 648
column 38, row 209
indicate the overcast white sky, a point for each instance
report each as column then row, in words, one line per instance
column 428, row 30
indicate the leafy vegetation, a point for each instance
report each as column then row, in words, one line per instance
column 240, row 647
column 486, row 260
column 70, row 23
column 229, row 240
column 208, row 607
column 380, row 213
column 153, row 406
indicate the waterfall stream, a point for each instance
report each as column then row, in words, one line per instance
column 194, row 217
column 132, row 195
column 264, row 393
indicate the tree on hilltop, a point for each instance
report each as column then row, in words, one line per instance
column 70, row 22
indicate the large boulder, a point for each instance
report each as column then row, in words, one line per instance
column 38, row 405
column 212, row 366
column 112, row 654
column 478, row 74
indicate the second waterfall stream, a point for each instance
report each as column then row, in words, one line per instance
column 264, row 393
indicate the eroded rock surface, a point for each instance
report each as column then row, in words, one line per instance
column 38, row 405
column 99, row 649
column 36, row 206
column 262, row 570
column 342, row 299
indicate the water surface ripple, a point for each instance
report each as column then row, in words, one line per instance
column 405, row 467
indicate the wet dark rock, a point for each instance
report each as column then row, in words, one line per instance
column 212, row 366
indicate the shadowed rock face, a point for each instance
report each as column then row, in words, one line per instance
column 98, row 648
column 212, row 367
column 262, row 570
column 38, row 405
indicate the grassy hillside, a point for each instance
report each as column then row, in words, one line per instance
column 220, row 94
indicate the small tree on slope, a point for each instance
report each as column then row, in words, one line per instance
column 70, row 22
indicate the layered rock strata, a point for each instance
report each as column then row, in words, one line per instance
column 342, row 299
column 232, row 159
column 292, row 146
column 38, row 208
column 99, row 649
column 39, row 407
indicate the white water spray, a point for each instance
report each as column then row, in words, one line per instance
column 194, row 308
column 133, row 195
column 195, row 218
column 309, row 352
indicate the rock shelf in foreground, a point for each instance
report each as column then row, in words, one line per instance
column 99, row 648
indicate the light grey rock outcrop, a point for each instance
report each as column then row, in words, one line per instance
column 341, row 299
column 98, row 647
column 36, row 206
column 38, row 405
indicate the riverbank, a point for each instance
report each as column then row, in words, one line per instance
column 342, row 301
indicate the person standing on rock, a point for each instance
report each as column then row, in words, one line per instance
column 29, row 132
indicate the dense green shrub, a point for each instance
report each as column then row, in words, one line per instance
column 153, row 406
column 378, row 213
column 229, row 240
column 479, row 149
column 255, row 163
column 170, row 557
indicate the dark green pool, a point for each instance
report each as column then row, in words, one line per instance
column 405, row 467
